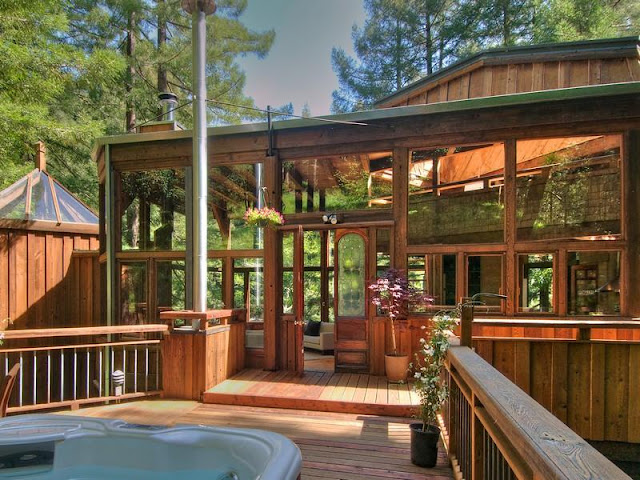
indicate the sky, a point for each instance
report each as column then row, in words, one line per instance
column 298, row 66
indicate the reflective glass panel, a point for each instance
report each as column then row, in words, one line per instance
column 232, row 190
column 133, row 293
column 484, row 275
column 214, row 283
column 248, row 286
column 594, row 283
column 568, row 187
column 351, row 276
column 170, row 286
column 456, row 195
column 536, row 282
column 344, row 182
column 152, row 210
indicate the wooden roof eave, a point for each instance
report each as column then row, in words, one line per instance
column 132, row 148
column 49, row 226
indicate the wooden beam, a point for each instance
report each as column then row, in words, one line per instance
column 272, row 263
column 631, row 223
column 510, row 226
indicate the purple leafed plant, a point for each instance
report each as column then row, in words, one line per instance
column 392, row 294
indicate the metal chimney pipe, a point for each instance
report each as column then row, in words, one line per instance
column 168, row 101
column 199, row 9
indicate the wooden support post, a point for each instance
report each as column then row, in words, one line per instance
column 630, row 300
column 324, row 276
column 298, row 200
column 400, row 205
column 510, row 226
column 477, row 450
column 466, row 326
column 309, row 198
column 272, row 267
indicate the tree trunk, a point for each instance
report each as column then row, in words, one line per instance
column 130, row 119
column 162, row 40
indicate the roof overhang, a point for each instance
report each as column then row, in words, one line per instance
column 386, row 114
column 550, row 52
column 46, row 226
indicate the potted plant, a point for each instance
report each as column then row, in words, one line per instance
column 430, row 387
column 263, row 217
column 392, row 294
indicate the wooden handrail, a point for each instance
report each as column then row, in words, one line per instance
column 555, row 323
column 82, row 331
column 546, row 446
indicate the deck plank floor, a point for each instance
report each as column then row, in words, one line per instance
column 329, row 392
column 334, row 445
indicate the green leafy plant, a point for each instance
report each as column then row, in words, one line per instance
column 428, row 365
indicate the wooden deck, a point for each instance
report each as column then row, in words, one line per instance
column 319, row 391
column 333, row 445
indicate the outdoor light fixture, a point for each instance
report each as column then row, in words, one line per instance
column 168, row 102
column 331, row 218
column 117, row 379
column 206, row 6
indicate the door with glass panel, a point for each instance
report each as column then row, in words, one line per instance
column 350, row 301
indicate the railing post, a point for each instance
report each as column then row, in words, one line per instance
column 466, row 325
column 477, row 450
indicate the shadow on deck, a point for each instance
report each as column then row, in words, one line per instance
column 318, row 391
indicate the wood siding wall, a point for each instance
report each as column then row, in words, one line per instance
column 194, row 363
column 485, row 81
column 594, row 388
column 44, row 284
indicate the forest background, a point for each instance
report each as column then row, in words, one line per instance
column 74, row 70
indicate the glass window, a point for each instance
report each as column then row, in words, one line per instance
column 351, row 276
column 233, row 189
column 568, row 187
column 170, row 286
column 214, row 284
column 536, row 282
column 287, row 273
column 484, row 275
column 383, row 250
column 436, row 276
column 248, row 287
column 456, row 195
column 152, row 210
column 346, row 182
column 133, row 293
column 594, row 283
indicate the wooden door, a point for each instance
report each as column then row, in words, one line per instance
column 296, row 339
column 351, row 301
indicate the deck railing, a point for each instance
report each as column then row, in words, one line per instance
column 73, row 366
column 493, row 430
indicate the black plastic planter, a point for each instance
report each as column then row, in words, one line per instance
column 424, row 445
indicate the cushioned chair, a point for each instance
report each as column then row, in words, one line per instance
column 322, row 342
column 7, row 387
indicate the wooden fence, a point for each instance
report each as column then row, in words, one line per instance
column 493, row 430
column 48, row 280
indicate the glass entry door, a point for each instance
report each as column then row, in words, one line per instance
column 350, row 301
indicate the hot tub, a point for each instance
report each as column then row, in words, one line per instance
column 60, row 447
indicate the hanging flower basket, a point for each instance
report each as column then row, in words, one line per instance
column 263, row 217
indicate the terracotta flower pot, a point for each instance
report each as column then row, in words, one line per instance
column 424, row 445
column 396, row 367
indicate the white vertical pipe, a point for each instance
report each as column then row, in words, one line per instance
column 199, row 160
